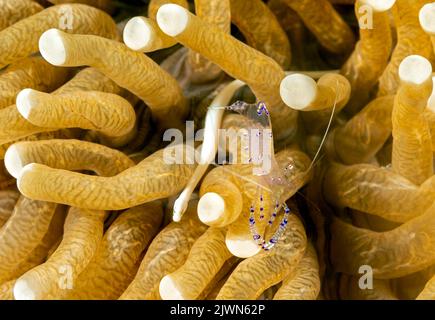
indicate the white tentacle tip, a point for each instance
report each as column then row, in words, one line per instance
column 13, row 162
column 242, row 248
column 137, row 33
column 298, row 91
column 25, row 100
column 172, row 19
column 168, row 289
column 211, row 207
column 52, row 47
column 427, row 18
column 415, row 69
column 22, row 291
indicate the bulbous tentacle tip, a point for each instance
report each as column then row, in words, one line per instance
column 13, row 162
column 298, row 91
column 242, row 248
column 172, row 19
column 415, row 70
column 137, row 33
column 168, row 289
column 427, row 18
column 52, row 47
column 27, row 100
column 211, row 207
column 23, row 290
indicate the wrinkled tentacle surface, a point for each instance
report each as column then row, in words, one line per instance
column 378, row 191
column 12, row 11
column 216, row 12
column 411, row 39
column 370, row 56
column 159, row 90
column 237, row 59
column 325, row 23
column 82, row 232
column 261, row 29
column 8, row 199
column 92, row 110
column 15, row 127
column 33, row 73
column 206, row 258
column 304, row 282
column 412, row 155
column 20, row 235
column 350, row 289
column 399, row 252
column 359, row 139
column 116, row 261
column 168, row 252
column 21, row 39
column 67, row 154
column 156, row 177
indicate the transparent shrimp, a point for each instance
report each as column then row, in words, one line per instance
column 237, row 59
column 255, row 274
column 295, row 165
